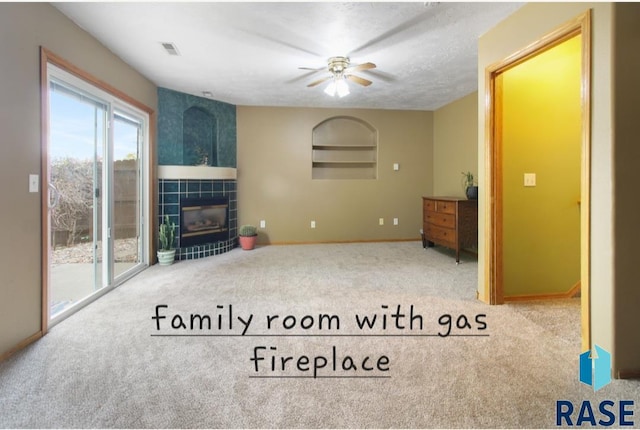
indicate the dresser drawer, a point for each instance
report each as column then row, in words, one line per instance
column 440, row 234
column 446, row 207
column 441, row 219
column 429, row 206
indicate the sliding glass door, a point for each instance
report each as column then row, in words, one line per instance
column 127, row 191
column 95, row 237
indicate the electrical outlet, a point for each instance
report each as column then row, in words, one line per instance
column 381, row 221
column 313, row 224
column 263, row 223
column 395, row 221
column 396, row 166
column 529, row 179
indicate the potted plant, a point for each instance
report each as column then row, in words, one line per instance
column 166, row 236
column 471, row 190
column 247, row 237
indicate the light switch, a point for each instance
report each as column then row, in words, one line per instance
column 396, row 166
column 33, row 183
column 529, row 179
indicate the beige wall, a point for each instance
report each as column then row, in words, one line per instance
column 455, row 145
column 627, row 206
column 275, row 185
column 24, row 27
column 526, row 25
column 275, row 157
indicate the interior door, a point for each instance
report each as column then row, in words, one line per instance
column 494, row 291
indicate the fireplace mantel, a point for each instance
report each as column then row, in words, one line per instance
column 196, row 172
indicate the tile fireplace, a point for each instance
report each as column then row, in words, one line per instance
column 204, row 210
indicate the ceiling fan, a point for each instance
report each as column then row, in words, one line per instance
column 340, row 71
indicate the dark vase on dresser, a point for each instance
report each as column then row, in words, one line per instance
column 472, row 192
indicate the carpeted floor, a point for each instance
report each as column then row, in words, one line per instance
column 500, row 366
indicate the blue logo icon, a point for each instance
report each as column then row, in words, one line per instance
column 595, row 369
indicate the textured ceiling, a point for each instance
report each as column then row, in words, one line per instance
column 249, row 53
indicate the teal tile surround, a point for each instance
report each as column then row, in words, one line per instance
column 172, row 106
column 207, row 121
column 170, row 193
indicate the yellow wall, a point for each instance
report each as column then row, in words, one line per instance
column 523, row 27
column 455, row 145
column 627, row 206
column 541, row 134
column 275, row 185
column 23, row 28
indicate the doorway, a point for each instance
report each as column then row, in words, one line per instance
column 500, row 223
column 95, row 177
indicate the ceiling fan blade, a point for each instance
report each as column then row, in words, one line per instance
column 363, row 66
column 358, row 80
column 315, row 69
column 388, row 36
column 319, row 81
column 380, row 75
column 303, row 77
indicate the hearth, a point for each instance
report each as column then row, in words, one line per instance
column 203, row 220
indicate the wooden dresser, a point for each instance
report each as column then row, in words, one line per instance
column 450, row 222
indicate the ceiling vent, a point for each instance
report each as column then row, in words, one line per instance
column 170, row 48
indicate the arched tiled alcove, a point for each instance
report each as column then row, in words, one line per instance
column 199, row 137
column 344, row 147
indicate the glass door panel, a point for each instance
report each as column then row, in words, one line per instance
column 126, row 232
column 77, row 138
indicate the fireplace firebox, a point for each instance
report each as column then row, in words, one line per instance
column 203, row 220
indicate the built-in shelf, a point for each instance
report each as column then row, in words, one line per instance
column 344, row 148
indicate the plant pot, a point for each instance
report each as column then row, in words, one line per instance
column 248, row 242
column 472, row 192
column 166, row 258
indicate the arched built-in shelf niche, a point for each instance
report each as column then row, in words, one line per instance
column 344, row 148
column 199, row 138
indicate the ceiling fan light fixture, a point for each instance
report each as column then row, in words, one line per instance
column 342, row 88
column 339, row 72
column 331, row 89
column 338, row 86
